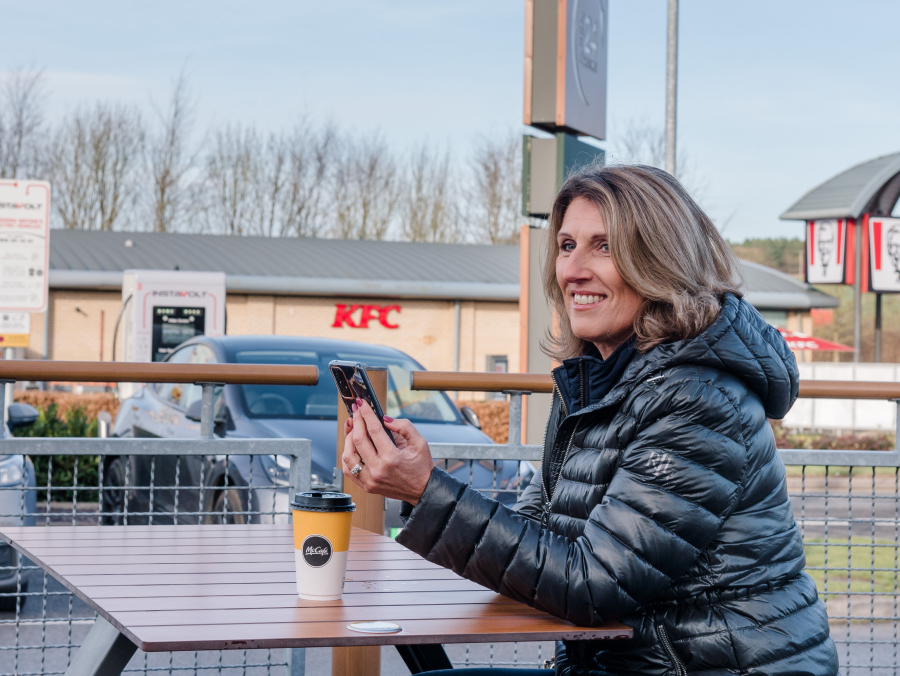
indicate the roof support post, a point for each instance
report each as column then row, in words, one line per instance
column 878, row 328
column 857, row 293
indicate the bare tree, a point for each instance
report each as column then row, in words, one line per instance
column 21, row 121
column 93, row 164
column 428, row 202
column 230, row 181
column 171, row 159
column 642, row 143
column 292, row 182
column 366, row 190
column 495, row 195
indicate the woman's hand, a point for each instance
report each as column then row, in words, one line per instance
column 398, row 469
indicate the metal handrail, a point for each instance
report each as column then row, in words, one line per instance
column 539, row 382
column 155, row 372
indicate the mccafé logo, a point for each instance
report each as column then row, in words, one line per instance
column 316, row 550
column 344, row 316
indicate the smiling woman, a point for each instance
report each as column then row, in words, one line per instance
column 661, row 501
column 632, row 238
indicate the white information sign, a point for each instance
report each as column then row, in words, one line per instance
column 24, row 245
column 884, row 254
column 15, row 329
column 826, row 246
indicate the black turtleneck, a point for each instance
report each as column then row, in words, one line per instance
column 587, row 379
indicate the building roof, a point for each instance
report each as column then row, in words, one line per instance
column 864, row 188
column 331, row 267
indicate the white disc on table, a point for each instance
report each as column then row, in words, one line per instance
column 375, row 627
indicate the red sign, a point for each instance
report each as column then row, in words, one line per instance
column 344, row 316
column 801, row 341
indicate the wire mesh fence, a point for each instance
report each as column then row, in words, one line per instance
column 849, row 517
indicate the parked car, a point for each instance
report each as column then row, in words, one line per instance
column 172, row 410
column 17, row 507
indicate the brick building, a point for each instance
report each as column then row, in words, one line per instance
column 448, row 306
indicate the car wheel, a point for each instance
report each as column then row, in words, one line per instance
column 226, row 507
column 112, row 498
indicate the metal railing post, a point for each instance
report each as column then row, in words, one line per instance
column 515, row 416
column 207, row 418
column 296, row 661
column 897, row 426
column 3, row 414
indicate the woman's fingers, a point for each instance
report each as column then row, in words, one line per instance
column 362, row 441
column 405, row 429
column 373, row 427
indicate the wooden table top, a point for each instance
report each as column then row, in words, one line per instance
column 233, row 587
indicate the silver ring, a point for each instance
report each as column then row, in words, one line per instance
column 357, row 468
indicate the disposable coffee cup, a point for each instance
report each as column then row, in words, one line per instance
column 321, row 543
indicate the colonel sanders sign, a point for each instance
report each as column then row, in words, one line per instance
column 826, row 251
column 884, row 254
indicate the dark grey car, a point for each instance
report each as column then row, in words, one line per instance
column 212, row 489
column 17, row 504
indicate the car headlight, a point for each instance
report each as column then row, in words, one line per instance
column 278, row 467
column 10, row 472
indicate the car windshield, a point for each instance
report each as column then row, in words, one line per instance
column 320, row 402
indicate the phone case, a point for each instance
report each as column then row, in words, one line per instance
column 356, row 384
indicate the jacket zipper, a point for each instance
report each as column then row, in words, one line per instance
column 548, row 497
column 670, row 651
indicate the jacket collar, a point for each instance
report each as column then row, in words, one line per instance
column 739, row 341
column 587, row 379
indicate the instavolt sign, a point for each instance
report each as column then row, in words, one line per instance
column 24, row 245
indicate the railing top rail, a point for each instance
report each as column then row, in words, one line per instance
column 480, row 382
column 125, row 372
column 539, row 382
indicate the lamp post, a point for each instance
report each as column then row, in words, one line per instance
column 671, row 85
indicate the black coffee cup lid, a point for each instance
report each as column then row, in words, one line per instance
column 318, row 501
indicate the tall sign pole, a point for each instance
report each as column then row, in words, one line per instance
column 671, row 85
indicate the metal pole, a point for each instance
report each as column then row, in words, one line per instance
column 207, row 421
column 857, row 295
column 877, row 328
column 671, row 85
column 456, row 329
column 515, row 416
column 8, row 386
column 4, row 408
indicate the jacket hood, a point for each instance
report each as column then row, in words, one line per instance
column 739, row 342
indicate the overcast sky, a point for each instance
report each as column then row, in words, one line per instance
column 774, row 97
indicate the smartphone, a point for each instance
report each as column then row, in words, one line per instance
column 353, row 382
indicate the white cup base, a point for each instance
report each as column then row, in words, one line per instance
column 328, row 580
column 308, row 597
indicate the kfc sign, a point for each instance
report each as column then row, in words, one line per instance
column 830, row 251
column 359, row 316
column 884, row 254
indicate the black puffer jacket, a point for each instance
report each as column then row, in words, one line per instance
column 663, row 506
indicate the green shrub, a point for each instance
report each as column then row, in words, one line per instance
column 74, row 424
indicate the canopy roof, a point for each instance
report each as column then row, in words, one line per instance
column 870, row 187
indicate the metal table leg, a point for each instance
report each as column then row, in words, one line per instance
column 424, row 657
column 105, row 652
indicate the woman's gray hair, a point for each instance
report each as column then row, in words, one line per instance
column 662, row 244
